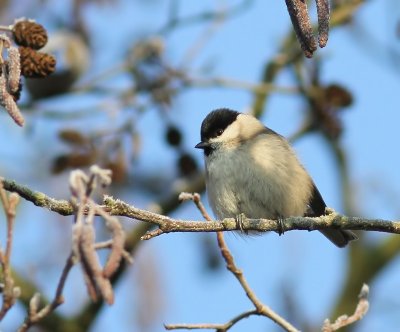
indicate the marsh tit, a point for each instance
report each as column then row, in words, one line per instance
column 252, row 170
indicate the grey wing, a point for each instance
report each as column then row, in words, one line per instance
column 338, row 237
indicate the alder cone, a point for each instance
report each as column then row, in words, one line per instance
column 36, row 64
column 30, row 34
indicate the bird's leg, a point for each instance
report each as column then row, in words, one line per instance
column 240, row 219
column 281, row 225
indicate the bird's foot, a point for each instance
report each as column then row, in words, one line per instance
column 240, row 219
column 281, row 226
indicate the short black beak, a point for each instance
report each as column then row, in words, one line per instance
column 202, row 145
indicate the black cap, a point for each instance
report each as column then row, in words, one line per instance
column 215, row 121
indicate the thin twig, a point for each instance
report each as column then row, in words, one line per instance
column 6, row 28
column 34, row 316
column 175, row 21
column 196, row 198
column 38, row 198
column 261, row 309
column 58, row 298
column 227, row 82
column 83, row 244
column 218, row 327
column 108, row 245
column 10, row 292
column 359, row 313
column 202, row 40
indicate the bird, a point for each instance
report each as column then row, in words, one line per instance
column 253, row 171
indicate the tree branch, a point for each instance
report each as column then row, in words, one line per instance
column 210, row 326
column 359, row 313
column 260, row 308
column 169, row 225
column 34, row 315
column 7, row 286
column 62, row 207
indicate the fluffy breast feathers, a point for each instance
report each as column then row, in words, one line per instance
column 255, row 172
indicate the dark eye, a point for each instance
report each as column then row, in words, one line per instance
column 219, row 132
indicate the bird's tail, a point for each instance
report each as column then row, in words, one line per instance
column 340, row 238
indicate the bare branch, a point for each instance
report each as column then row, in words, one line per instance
column 108, row 245
column 217, row 327
column 34, row 314
column 359, row 313
column 261, row 309
column 196, row 198
column 232, row 83
column 174, row 21
column 168, row 225
column 38, row 198
column 10, row 292
column 329, row 221
column 83, row 244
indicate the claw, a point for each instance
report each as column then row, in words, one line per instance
column 281, row 226
column 240, row 219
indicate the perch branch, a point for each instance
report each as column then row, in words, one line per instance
column 168, row 225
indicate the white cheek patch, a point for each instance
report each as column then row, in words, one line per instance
column 242, row 129
column 231, row 133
